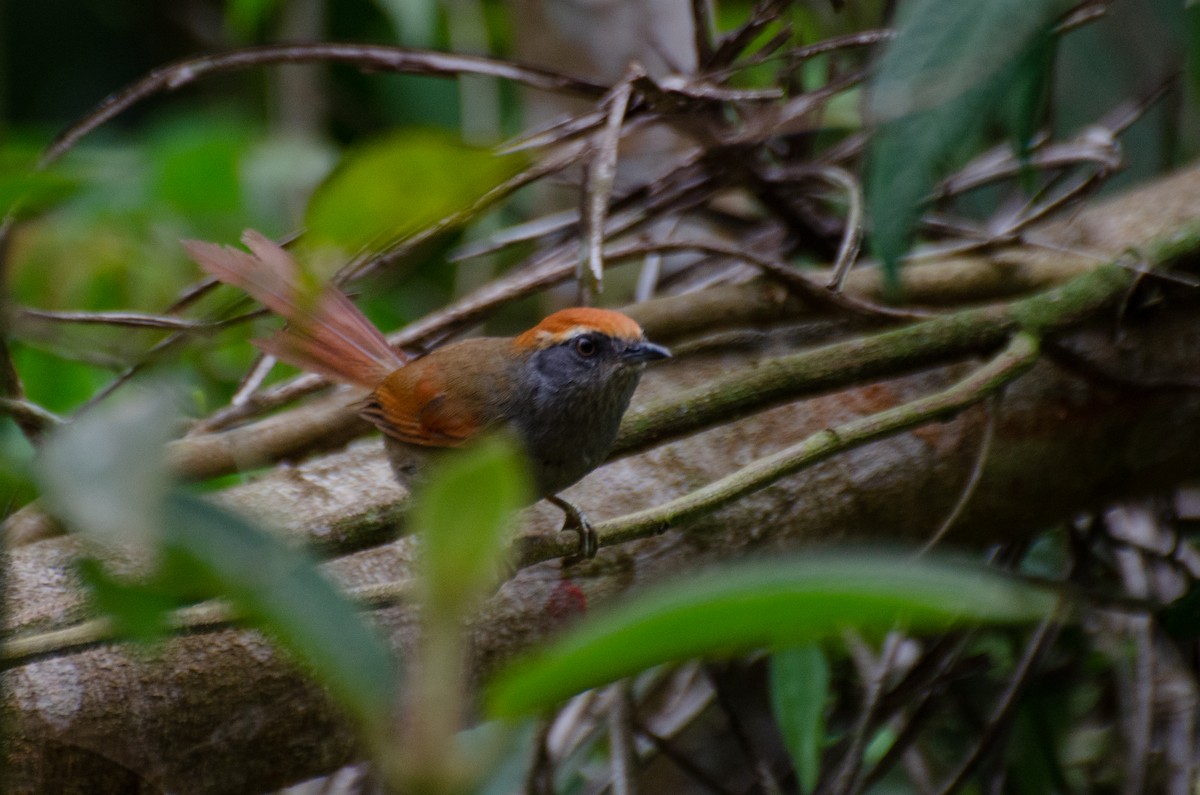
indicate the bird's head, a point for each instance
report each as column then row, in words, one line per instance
column 586, row 346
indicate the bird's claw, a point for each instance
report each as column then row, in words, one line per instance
column 577, row 521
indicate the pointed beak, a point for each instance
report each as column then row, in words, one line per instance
column 644, row 352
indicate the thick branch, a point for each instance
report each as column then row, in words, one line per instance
column 222, row 712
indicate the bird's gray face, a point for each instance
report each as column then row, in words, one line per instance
column 593, row 361
column 579, row 390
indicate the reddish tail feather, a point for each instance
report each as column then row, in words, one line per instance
column 327, row 334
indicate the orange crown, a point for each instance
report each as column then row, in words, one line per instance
column 567, row 323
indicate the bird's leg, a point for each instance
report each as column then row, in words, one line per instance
column 577, row 521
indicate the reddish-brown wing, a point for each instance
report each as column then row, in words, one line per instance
column 415, row 405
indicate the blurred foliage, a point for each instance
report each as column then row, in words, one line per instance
column 156, row 547
column 385, row 190
column 799, row 697
column 775, row 603
column 937, row 85
column 463, row 543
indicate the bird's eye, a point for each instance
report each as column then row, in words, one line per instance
column 585, row 346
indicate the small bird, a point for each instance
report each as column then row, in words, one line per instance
column 562, row 386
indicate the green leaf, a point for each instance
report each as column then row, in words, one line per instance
column 390, row 188
column 462, row 514
column 799, row 690
column 197, row 163
column 245, row 17
column 1028, row 98
column 950, row 64
column 281, row 591
column 775, row 604
column 139, row 611
column 31, row 192
column 106, row 473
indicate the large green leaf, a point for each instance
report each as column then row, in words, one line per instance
column 945, row 73
column 280, row 590
column 462, row 514
column 106, row 475
column 392, row 187
column 777, row 604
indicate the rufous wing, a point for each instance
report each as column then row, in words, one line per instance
column 414, row 406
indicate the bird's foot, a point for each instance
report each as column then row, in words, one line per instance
column 576, row 520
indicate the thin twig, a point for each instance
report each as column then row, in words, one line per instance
column 365, row 56
column 914, row 701
column 720, row 677
column 874, row 675
column 731, row 46
column 539, row 227
column 702, row 31
column 991, row 409
column 395, row 253
column 1006, row 704
column 30, row 414
column 682, row 761
column 597, row 189
column 253, row 379
column 622, row 748
column 787, row 274
column 852, row 232
column 122, row 319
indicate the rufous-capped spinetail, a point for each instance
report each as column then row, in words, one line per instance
column 561, row 387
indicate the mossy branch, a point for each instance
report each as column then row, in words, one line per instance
column 1017, row 357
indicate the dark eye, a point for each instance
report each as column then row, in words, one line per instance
column 585, row 346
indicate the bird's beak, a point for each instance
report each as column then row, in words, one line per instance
column 644, row 352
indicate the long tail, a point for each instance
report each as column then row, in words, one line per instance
column 327, row 334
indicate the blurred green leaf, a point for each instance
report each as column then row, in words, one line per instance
column 30, row 192
column 503, row 753
column 947, row 69
column 878, row 746
column 1039, row 731
column 245, row 17
column 462, row 514
column 1191, row 39
column 764, row 603
column 139, row 611
column 106, row 473
column 392, row 187
column 280, row 590
column 195, row 172
column 60, row 385
column 799, row 691
column 1181, row 618
column 197, row 166
column 1028, row 97
column 16, row 458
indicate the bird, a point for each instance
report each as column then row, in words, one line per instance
column 561, row 387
